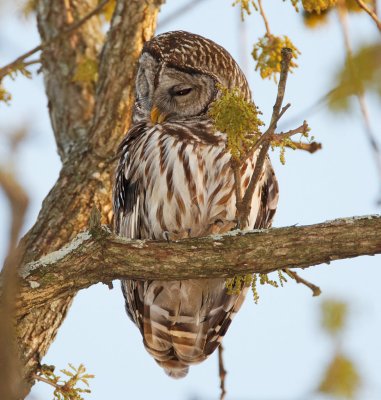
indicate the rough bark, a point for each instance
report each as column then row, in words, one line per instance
column 85, row 178
column 99, row 256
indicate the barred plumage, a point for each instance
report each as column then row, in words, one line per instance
column 174, row 180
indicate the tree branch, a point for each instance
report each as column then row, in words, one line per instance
column 65, row 46
column 104, row 257
column 243, row 207
column 371, row 13
column 6, row 69
column 133, row 23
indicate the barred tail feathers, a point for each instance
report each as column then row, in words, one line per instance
column 182, row 322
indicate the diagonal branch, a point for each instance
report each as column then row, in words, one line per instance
column 243, row 206
column 133, row 23
column 371, row 13
column 6, row 69
column 88, row 260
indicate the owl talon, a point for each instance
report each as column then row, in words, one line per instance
column 176, row 235
column 221, row 225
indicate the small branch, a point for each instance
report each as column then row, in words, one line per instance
column 45, row 380
column 236, row 167
column 244, row 206
column 222, row 371
column 284, row 109
column 20, row 60
column 265, row 20
column 278, row 137
column 88, row 260
column 371, row 13
column 285, row 64
column 31, row 62
column 309, row 147
column 298, row 279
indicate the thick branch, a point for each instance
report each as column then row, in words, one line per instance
column 103, row 257
column 133, row 23
column 70, row 102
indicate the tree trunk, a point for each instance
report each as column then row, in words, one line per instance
column 88, row 121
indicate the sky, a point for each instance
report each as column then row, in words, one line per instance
column 274, row 350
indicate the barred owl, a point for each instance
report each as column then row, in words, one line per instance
column 174, row 180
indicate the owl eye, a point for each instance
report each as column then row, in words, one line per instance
column 180, row 92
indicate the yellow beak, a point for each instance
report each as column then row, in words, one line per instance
column 156, row 116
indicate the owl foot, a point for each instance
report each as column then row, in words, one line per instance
column 176, row 235
column 221, row 225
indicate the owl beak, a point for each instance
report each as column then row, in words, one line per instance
column 156, row 116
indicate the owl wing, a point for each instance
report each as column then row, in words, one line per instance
column 128, row 192
column 127, row 195
column 269, row 194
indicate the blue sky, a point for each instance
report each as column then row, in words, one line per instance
column 274, row 350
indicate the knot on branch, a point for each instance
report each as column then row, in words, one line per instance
column 96, row 229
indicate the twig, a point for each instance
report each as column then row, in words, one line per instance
column 342, row 13
column 265, row 20
column 309, row 147
column 222, row 371
column 19, row 60
column 45, row 380
column 244, row 206
column 284, row 135
column 315, row 289
column 236, row 167
column 284, row 109
column 371, row 13
column 264, row 137
column 285, row 63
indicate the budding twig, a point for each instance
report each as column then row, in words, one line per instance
column 298, row 279
column 243, row 206
column 303, row 129
column 309, row 147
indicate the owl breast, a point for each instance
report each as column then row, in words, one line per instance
column 183, row 181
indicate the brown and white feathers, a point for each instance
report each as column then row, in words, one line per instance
column 174, row 180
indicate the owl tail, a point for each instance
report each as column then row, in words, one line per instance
column 174, row 368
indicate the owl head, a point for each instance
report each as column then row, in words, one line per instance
column 178, row 77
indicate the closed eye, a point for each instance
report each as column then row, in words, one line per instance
column 180, row 92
